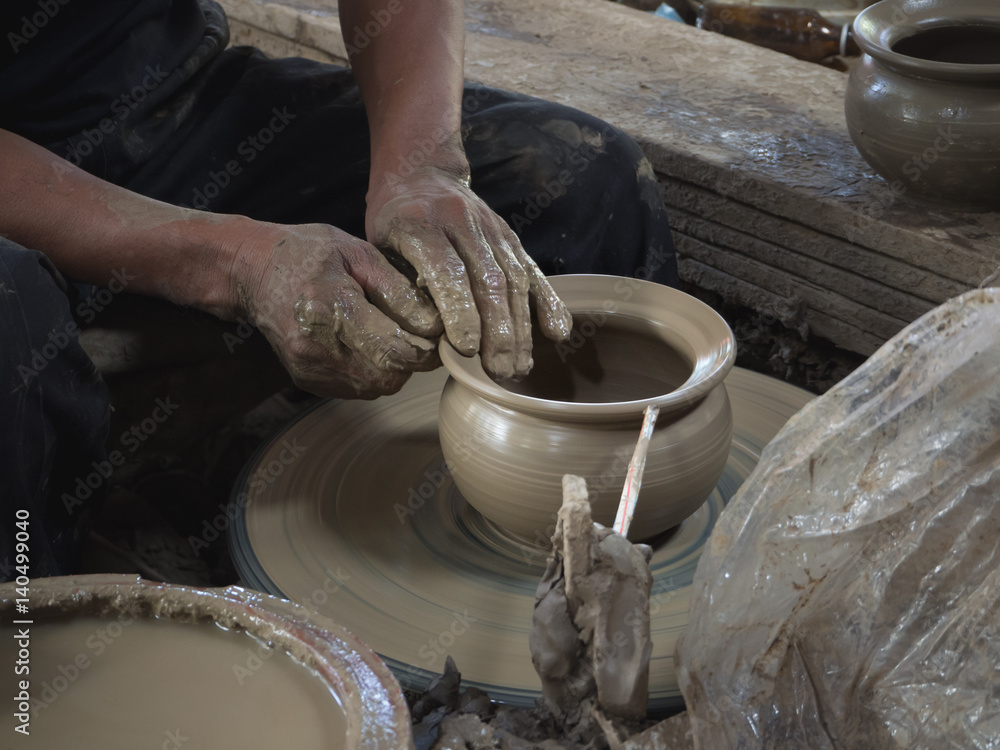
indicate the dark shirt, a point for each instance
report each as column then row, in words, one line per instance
column 70, row 65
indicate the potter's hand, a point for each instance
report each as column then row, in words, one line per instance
column 343, row 321
column 472, row 264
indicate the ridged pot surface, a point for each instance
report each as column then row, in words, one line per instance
column 928, row 124
column 580, row 411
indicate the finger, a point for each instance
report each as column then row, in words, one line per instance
column 442, row 272
column 391, row 292
column 362, row 382
column 347, row 319
column 554, row 317
column 518, row 292
column 492, row 284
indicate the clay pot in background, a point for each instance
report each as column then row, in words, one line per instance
column 580, row 410
column 923, row 104
column 836, row 11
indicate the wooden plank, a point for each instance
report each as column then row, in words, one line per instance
column 932, row 284
column 745, row 293
column 799, row 293
column 865, row 291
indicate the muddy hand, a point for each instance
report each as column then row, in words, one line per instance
column 342, row 320
column 472, row 264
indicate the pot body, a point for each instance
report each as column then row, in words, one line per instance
column 509, row 464
column 930, row 128
column 580, row 411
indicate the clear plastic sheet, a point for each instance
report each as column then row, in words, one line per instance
column 849, row 596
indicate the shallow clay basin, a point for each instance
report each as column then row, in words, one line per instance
column 580, row 409
column 119, row 662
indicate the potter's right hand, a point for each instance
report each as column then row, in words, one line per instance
column 342, row 320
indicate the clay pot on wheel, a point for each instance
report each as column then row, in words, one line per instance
column 923, row 105
column 634, row 343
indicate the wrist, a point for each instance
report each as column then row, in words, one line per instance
column 228, row 262
column 440, row 153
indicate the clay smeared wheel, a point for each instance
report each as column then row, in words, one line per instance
column 349, row 510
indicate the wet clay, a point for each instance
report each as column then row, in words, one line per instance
column 975, row 45
column 590, row 630
column 130, row 682
column 609, row 359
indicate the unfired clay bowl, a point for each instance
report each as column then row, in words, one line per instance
column 925, row 111
column 101, row 642
column 579, row 412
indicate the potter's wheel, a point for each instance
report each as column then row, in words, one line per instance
column 349, row 512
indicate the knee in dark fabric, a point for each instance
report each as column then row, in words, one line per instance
column 54, row 409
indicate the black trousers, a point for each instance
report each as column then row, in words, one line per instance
column 286, row 141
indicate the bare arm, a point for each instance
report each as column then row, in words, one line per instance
column 89, row 228
column 341, row 319
column 419, row 200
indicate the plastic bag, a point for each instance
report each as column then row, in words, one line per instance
column 849, row 596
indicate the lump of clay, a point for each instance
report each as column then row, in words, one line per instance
column 849, row 595
column 590, row 632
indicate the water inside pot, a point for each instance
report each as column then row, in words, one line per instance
column 977, row 44
column 608, row 358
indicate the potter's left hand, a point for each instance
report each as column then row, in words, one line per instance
column 472, row 264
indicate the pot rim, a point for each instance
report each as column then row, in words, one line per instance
column 357, row 678
column 878, row 27
column 707, row 342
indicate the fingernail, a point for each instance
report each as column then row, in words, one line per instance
column 425, row 346
column 500, row 366
column 466, row 342
column 426, row 319
column 524, row 362
column 523, row 370
column 558, row 325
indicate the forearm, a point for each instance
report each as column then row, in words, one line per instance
column 90, row 228
column 411, row 76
